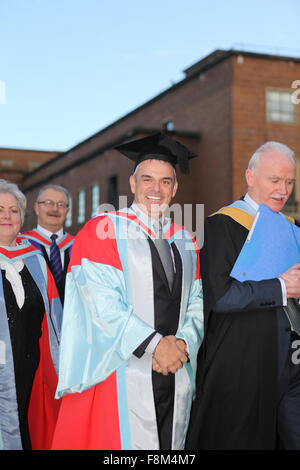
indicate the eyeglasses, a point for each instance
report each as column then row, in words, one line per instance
column 59, row 204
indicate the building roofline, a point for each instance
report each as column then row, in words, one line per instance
column 101, row 150
column 264, row 55
column 220, row 54
column 14, row 149
column 191, row 72
column 122, row 118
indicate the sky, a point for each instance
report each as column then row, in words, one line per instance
column 69, row 68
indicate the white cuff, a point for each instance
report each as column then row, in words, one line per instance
column 153, row 343
column 283, row 289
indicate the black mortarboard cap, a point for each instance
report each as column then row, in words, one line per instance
column 158, row 146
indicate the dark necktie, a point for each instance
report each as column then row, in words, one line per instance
column 164, row 251
column 55, row 260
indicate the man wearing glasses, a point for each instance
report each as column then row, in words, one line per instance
column 51, row 208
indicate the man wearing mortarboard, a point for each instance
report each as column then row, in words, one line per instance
column 133, row 320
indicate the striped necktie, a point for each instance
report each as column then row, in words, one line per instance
column 55, row 260
column 164, row 251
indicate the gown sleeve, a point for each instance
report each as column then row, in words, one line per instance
column 223, row 240
column 100, row 330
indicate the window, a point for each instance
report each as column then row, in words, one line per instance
column 81, row 206
column 279, row 106
column 33, row 165
column 68, row 222
column 7, row 163
column 95, row 193
column 113, row 191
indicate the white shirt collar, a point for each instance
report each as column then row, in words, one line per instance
column 48, row 234
column 145, row 217
column 251, row 202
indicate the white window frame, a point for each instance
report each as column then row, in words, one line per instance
column 282, row 110
column 81, row 206
column 95, row 199
column 69, row 222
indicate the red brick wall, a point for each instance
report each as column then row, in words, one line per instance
column 21, row 162
column 225, row 104
column 202, row 105
column 250, row 128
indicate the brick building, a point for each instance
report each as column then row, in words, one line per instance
column 228, row 104
column 17, row 163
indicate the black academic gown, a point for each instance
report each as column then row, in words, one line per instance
column 243, row 353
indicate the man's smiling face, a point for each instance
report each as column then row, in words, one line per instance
column 153, row 186
column 51, row 218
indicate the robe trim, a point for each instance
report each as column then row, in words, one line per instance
column 36, row 236
column 12, row 254
column 242, row 217
column 169, row 232
column 135, row 219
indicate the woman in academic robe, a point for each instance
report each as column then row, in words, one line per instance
column 30, row 318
